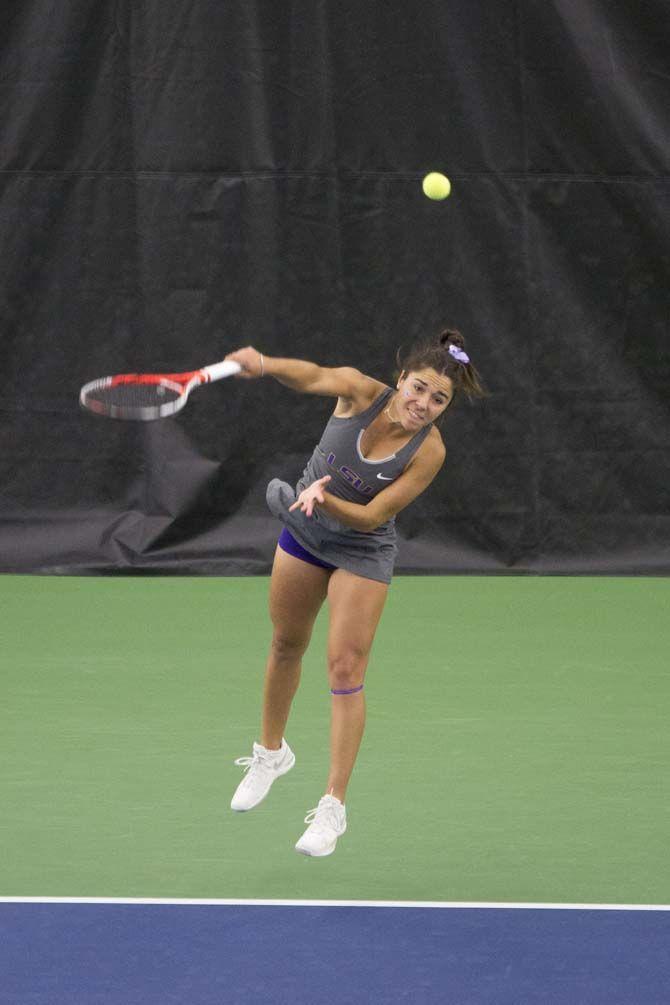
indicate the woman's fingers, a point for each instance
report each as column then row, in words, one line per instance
column 309, row 496
column 318, row 487
column 301, row 501
column 250, row 361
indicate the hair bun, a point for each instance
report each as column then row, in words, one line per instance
column 436, row 353
column 451, row 337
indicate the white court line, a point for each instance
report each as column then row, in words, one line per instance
column 455, row 905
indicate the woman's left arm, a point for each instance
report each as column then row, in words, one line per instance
column 416, row 477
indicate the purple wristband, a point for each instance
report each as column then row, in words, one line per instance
column 352, row 690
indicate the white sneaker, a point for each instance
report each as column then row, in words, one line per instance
column 261, row 770
column 326, row 823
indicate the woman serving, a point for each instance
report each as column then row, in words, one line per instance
column 378, row 452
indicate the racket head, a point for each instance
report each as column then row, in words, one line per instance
column 136, row 397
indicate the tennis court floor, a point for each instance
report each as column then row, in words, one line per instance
column 516, row 753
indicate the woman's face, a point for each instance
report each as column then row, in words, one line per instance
column 422, row 397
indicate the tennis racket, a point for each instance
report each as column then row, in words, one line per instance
column 147, row 396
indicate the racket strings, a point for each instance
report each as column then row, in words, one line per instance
column 130, row 397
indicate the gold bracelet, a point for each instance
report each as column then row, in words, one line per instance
column 262, row 367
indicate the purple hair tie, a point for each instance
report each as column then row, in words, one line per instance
column 458, row 354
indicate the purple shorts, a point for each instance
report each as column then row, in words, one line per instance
column 289, row 544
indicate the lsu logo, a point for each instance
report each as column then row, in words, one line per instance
column 354, row 479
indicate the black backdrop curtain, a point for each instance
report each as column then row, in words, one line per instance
column 181, row 179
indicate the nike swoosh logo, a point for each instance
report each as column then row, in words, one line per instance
column 384, row 478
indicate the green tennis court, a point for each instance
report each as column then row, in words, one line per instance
column 516, row 748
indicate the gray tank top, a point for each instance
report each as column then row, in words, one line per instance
column 370, row 554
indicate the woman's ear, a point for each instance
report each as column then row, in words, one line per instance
column 400, row 378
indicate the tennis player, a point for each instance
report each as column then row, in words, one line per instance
column 378, row 452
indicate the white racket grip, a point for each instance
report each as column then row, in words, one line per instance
column 217, row 371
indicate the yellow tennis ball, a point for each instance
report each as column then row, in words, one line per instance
column 436, row 185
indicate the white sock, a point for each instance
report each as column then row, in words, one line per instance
column 274, row 752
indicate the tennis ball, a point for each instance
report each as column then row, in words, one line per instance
column 436, row 185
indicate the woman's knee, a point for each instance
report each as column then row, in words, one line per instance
column 288, row 646
column 346, row 669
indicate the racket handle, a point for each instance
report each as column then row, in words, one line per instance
column 219, row 370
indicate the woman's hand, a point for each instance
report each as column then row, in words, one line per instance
column 310, row 496
column 250, row 360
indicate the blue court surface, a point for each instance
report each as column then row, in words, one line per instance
column 212, row 953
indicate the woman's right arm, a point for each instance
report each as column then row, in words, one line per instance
column 308, row 378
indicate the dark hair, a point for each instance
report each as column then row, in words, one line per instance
column 435, row 353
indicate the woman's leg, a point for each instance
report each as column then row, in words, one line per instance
column 297, row 591
column 356, row 605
